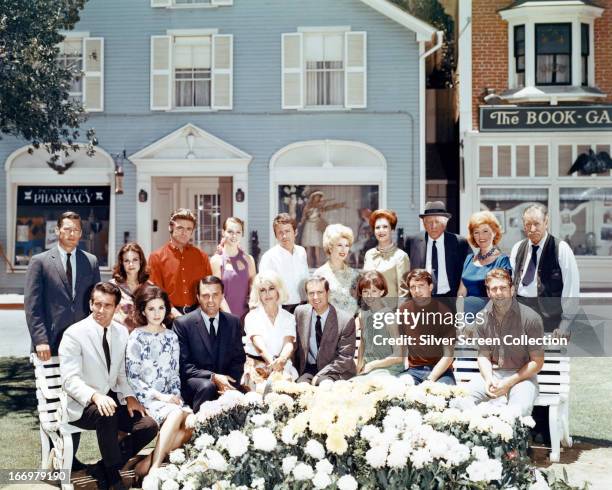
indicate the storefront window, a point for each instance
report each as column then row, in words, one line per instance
column 38, row 208
column 316, row 206
column 586, row 220
column 507, row 205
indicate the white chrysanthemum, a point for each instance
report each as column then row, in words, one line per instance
column 347, row 482
column 263, row 439
column 321, row 480
column 289, row 463
column 170, row 485
column 253, row 398
column 458, row 454
column 177, row 456
column 412, row 419
column 377, row 456
column 151, row 482
column 398, row 454
column 326, row 385
column 480, row 453
column 540, row 483
column 204, row 441
column 487, row 470
column 258, row 484
column 236, row 443
column 528, row 421
column 261, row 419
column 314, row 449
column 420, row 458
column 168, row 472
column 324, row 466
column 216, row 461
column 370, row 432
column 302, row 472
column 288, row 436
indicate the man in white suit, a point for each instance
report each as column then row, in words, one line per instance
column 92, row 365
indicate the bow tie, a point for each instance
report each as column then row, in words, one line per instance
column 383, row 254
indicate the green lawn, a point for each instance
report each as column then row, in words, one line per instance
column 591, row 410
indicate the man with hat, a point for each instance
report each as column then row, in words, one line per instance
column 438, row 251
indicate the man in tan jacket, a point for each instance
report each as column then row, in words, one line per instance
column 325, row 337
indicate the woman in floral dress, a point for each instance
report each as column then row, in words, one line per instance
column 342, row 279
column 152, row 368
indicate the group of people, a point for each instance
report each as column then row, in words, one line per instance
column 140, row 352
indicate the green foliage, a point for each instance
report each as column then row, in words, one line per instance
column 432, row 12
column 34, row 101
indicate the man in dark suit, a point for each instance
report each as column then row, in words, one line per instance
column 58, row 283
column 438, row 251
column 325, row 337
column 212, row 354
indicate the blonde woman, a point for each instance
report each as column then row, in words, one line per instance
column 269, row 333
column 342, row 279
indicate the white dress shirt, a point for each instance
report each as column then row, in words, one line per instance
column 257, row 322
column 313, row 350
column 73, row 262
column 291, row 267
column 442, row 280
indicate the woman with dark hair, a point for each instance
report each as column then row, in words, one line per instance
column 387, row 258
column 152, row 369
column 376, row 357
column 129, row 273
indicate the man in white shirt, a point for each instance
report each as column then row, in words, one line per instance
column 545, row 270
column 287, row 259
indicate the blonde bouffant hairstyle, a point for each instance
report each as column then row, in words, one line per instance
column 335, row 232
column 484, row 218
column 260, row 280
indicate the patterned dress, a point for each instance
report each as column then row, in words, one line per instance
column 342, row 285
column 152, row 368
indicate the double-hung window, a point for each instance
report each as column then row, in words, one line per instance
column 519, row 55
column 192, row 71
column 324, row 68
column 553, row 54
column 585, row 51
column 71, row 59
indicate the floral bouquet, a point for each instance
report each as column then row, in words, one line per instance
column 370, row 432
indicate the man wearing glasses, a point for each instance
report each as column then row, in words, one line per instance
column 178, row 266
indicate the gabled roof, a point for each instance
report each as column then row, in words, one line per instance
column 423, row 30
column 545, row 3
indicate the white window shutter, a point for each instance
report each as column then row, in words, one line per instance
column 293, row 70
column 161, row 73
column 93, row 74
column 161, row 3
column 222, row 67
column 222, row 2
column 355, row 62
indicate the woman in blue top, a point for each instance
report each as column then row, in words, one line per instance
column 484, row 233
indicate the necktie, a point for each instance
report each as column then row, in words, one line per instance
column 434, row 265
column 106, row 348
column 212, row 331
column 318, row 331
column 69, row 273
column 531, row 268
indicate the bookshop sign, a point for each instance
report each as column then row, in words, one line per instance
column 546, row 118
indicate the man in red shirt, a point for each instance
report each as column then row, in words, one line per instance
column 178, row 266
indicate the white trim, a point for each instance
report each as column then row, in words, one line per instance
column 74, row 176
column 423, row 31
column 99, row 74
column 422, row 133
column 323, row 29
column 74, row 34
column 191, row 32
column 465, row 66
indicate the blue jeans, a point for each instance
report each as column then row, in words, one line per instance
column 420, row 374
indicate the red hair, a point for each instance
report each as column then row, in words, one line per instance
column 387, row 214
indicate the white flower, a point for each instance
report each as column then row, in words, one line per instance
column 258, row 483
column 347, row 482
column 486, row 470
column 314, row 449
column 170, row 485
column 261, row 419
column 289, row 463
column 324, row 466
column 398, row 454
column 177, row 456
column 263, row 439
column 216, row 461
column 458, row 454
column 169, row 472
column 151, row 482
column 236, row 444
column 253, row 398
column 480, row 453
column 420, row 458
column 303, row 471
column 540, row 483
column 376, row 456
column 369, row 433
column 528, row 421
column 288, row 436
column 321, row 480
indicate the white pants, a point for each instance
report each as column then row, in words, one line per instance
column 522, row 395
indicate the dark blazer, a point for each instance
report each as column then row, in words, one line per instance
column 456, row 249
column 49, row 308
column 197, row 359
column 337, row 351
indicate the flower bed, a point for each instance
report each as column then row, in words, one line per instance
column 363, row 433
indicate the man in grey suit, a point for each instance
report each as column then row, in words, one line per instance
column 57, row 287
column 325, row 337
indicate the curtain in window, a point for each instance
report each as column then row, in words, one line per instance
column 553, row 49
column 192, row 71
column 324, row 69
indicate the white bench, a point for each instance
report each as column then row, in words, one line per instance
column 54, row 426
column 554, row 384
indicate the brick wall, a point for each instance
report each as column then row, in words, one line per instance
column 490, row 50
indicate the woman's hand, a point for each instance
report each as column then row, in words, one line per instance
column 278, row 364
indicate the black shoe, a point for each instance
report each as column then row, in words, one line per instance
column 78, row 465
column 117, row 486
column 98, row 473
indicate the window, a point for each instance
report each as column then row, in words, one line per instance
column 190, row 3
column 192, row 71
column 324, row 69
column 585, row 50
column 553, row 54
column 71, row 58
column 512, row 161
column 38, row 208
column 519, row 55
